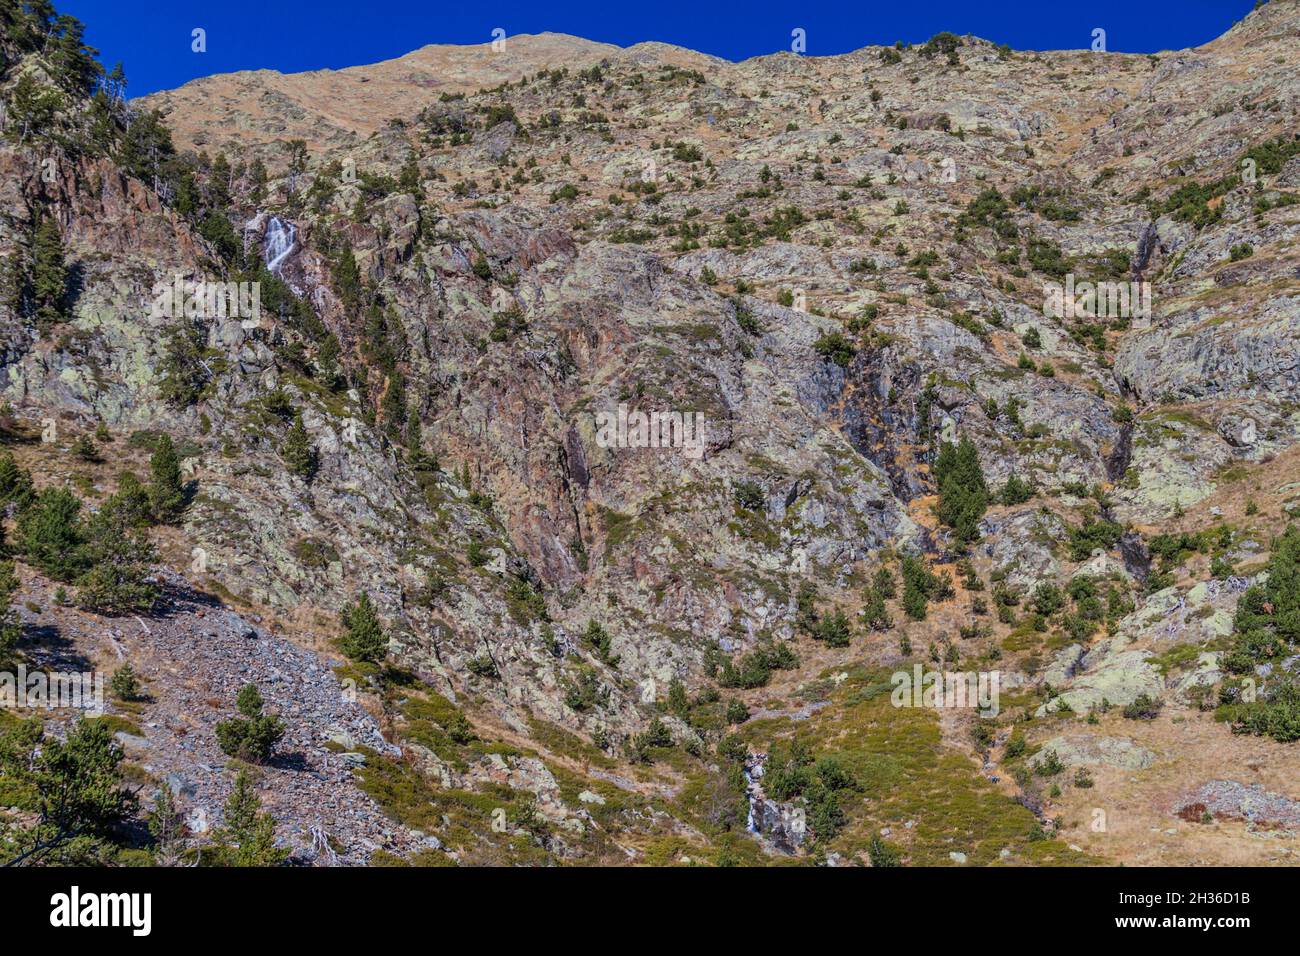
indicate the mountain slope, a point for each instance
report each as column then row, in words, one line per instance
column 841, row 263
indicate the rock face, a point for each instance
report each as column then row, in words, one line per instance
column 1238, row 801
column 488, row 261
column 1081, row 750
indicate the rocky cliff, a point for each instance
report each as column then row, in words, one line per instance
column 470, row 259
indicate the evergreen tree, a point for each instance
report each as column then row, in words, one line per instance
column 409, row 179
column 833, row 628
column 49, row 275
column 874, row 612
column 10, row 628
column 74, row 63
column 115, row 85
column 963, row 495
column 33, row 107
column 184, row 374
column 218, row 186
column 77, row 785
column 129, row 506
column 257, row 182
column 881, row 853
column 328, row 371
column 125, row 684
column 393, row 406
column 364, row 638
column 37, row 23
column 248, row 830
column 253, row 735
column 918, row 586
column 297, row 150
column 347, row 279
column 147, row 151
column 16, row 288
column 51, row 535
column 297, row 452
column 15, row 483
column 167, row 828
column 120, row 560
column 166, row 493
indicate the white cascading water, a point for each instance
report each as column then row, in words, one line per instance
column 278, row 243
column 753, row 772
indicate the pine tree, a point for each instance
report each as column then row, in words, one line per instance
column 166, row 493
column 184, row 374
column 49, row 275
column 51, row 535
column 10, row 628
column 115, row 84
column 297, row 150
column 409, row 179
column 15, row 483
column 297, row 452
column 347, row 279
column 129, row 505
column 119, row 565
column 74, row 62
column 219, row 183
column 328, row 371
column 393, row 406
column 250, row 831
column 76, row 786
column 167, row 828
column 253, row 735
column 257, row 182
column 963, row 495
column 364, row 638
column 33, row 107
column 147, row 150
column 16, row 289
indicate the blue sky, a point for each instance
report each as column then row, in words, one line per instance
column 152, row 39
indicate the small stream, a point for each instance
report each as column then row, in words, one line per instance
column 1121, row 456
column 753, row 788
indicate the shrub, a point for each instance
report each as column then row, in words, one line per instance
column 601, row 642
column 834, row 347
column 124, row 684
column 253, row 735
column 882, row 854
column 748, row 495
column 1144, row 707
column 833, row 629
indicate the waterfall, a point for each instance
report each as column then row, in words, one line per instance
column 753, row 773
column 278, row 243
